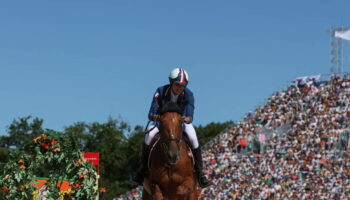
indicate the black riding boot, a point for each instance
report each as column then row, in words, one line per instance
column 140, row 174
column 202, row 180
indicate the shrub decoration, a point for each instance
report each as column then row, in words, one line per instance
column 56, row 157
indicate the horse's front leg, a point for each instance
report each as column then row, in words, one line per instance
column 186, row 189
column 156, row 192
column 146, row 195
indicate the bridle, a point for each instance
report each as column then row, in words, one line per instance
column 164, row 142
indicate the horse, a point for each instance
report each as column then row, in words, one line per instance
column 170, row 174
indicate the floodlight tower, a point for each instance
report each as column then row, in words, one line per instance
column 336, row 51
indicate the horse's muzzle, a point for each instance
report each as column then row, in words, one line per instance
column 174, row 155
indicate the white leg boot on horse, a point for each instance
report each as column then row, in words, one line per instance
column 197, row 153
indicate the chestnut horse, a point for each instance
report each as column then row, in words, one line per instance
column 171, row 175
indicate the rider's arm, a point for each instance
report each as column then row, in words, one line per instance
column 154, row 110
column 189, row 107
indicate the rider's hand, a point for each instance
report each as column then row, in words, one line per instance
column 187, row 120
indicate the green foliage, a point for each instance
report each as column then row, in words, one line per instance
column 208, row 132
column 132, row 148
column 21, row 131
column 117, row 151
column 62, row 160
column 118, row 145
column 4, row 156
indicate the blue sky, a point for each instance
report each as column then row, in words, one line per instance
column 85, row 60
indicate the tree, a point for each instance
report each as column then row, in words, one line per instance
column 80, row 132
column 21, row 131
column 4, row 156
column 132, row 148
column 208, row 132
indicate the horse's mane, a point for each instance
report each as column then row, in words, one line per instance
column 171, row 107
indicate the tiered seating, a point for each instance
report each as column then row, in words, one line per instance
column 293, row 147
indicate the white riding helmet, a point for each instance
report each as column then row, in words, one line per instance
column 179, row 75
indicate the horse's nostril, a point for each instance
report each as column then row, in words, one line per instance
column 174, row 156
column 172, row 153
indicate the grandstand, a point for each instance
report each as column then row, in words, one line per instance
column 295, row 146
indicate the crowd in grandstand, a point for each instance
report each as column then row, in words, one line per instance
column 307, row 160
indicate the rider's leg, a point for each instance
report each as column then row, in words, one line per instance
column 153, row 130
column 197, row 153
column 140, row 174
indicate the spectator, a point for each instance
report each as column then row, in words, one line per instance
column 305, row 132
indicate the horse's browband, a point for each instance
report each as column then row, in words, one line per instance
column 177, row 140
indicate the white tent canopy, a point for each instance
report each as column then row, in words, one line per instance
column 343, row 34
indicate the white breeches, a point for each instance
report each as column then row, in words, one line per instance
column 188, row 129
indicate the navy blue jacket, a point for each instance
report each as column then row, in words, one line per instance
column 163, row 95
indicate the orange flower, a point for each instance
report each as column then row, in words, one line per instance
column 76, row 185
column 22, row 167
column 23, row 187
column 43, row 136
column 35, row 140
column 81, row 175
column 45, row 145
column 102, row 190
column 78, row 162
column 56, row 150
column 20, row 161
column 4, row 189
column 53, row 142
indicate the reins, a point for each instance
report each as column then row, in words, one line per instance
column 145, row 131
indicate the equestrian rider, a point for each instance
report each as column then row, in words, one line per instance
column 176, row 92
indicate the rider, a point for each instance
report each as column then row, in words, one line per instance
column 176, row 92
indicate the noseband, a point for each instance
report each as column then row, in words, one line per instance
column 166, row 141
